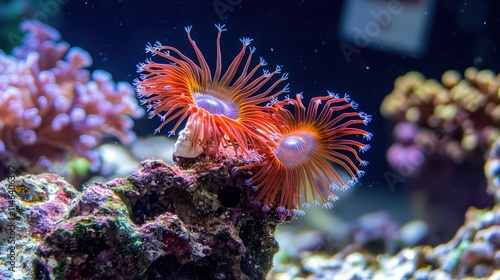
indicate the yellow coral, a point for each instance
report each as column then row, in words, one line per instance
column 447, row 107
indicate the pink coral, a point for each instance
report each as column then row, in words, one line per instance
column 50, row 105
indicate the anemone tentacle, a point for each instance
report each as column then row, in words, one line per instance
column 221, row 109
column 293, row 151
column 304, row 148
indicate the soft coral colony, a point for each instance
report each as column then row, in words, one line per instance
column 51, row 105
column 292, row 153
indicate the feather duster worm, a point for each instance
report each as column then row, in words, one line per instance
column 221, row 108
column 303, row 149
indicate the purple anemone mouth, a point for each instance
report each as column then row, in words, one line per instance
column 296, row 149
column 216, row 106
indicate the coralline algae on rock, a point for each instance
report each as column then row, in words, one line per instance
column 30, row 208
column 161, row 222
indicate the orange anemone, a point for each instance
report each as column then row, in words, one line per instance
column 303, row 149
column 222, row 108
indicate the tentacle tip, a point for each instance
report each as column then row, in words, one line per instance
column 327, row 205
column 262, row 61
column 347, row 98
column 147, row 47
column 333, row 187
column 333, row 198
column 354, row 105
column 220, row 27
column 352, row 182
column 286, row 88
column 281, row 209
column 246, row 41
column 255, row 203
column 157, row 46
column 333, row 95
column 366, row 118
column 364, row 148
column 368, row 136
column 299, row 212
column 140, row 67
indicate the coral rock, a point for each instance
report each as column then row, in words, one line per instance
column 161, row 222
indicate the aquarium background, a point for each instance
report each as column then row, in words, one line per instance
column 304, row 37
